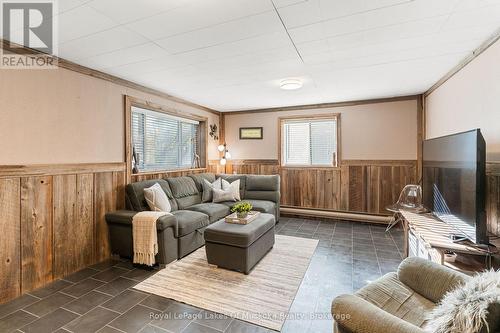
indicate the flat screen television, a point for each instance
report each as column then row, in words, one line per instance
column 454, row 182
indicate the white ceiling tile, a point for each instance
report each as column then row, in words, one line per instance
column 145, row 66
column 309, row 12
column 100, row 43
column 82, row 21
column 198, row 15
column 123, row 11
column 63, row 6
column 237, row 30
column 475, row 17
column 131, row 55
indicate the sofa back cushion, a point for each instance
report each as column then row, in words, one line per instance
column 232, row 178
column 263, row 187
column 185, row 191
column 199, row 177
column 134, row 193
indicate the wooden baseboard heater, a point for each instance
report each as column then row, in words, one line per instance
column 361, row 217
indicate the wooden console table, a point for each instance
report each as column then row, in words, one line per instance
column 426, row 236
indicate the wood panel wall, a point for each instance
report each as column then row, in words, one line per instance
column 355, row 186
column 165, row 174
column 52, row 219
column 493, row 197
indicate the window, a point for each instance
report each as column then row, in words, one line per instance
column 164, row 142
column 309, row 142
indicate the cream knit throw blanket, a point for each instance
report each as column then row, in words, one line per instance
column 145, row 237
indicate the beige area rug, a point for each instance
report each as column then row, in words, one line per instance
column 263, row 297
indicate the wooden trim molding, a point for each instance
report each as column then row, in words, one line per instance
column 476, row 53
column 66, row 64
column 247, row 162
column 378, row 162
column 7, row 171
column 326, row 105
column 493, row 168
column 137, row 102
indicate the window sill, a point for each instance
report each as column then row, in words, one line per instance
column 310, row 167
column 145, row 173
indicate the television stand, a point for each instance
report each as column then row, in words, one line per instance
column 427, row 237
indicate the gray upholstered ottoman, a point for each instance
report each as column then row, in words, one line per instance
column 239, row 247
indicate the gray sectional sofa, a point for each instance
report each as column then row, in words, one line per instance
column 182, row 232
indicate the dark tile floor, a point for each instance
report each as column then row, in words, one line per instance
column 101, row 298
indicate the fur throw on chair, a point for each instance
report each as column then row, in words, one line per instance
column 470, row 308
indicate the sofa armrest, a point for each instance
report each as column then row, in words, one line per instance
column 357, row 315
column 429, row 279
column 125, row 217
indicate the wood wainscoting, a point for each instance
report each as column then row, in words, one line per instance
column 165, row 174
column 493, row 197
column 356, row 186
column 52, row 220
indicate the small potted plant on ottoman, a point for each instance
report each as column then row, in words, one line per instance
column 241, row 209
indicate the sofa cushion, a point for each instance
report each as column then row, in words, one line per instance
column 184, row 191
column 189, row 221
column 207, row 194
column 391, row 295
column 199, row 177
column 157, row 199
column 215, row 211
column 135, row 194
column 232, row 178
column 262, row 206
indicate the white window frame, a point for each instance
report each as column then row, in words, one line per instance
column 131, row 102
column 180, row 120
column 312, row 118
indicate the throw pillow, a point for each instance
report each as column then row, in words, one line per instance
column 208, row 187
column 470, row 308
column 223, row 195
column 157, row 199
column 234, row 187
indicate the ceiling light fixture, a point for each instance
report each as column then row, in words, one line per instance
column 290, row 84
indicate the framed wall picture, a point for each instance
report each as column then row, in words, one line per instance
column 251, row 133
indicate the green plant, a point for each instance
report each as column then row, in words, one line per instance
column 242, row 207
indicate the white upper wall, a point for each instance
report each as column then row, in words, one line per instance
column 470, row 99
column 379, row 131
column 60, row 116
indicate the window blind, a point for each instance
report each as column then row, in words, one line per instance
column 163, row 142
column 309, row 142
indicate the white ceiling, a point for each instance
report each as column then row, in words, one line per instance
column 231, row 54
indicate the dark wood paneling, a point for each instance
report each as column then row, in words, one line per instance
column 493, row 197
column 36, row 231
column 10, row 224
column 53, row 224
column 64, row 219
column 258, row 167
column 166, row 174
column 73, row 223
column 104, row 202
column 366, row 186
